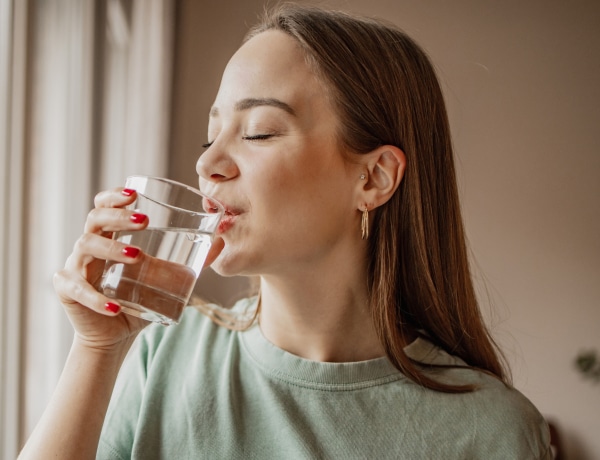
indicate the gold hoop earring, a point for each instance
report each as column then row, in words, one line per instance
column 364, row 224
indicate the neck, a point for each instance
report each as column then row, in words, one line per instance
column 318, row 316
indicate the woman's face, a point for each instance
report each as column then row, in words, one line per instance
column 275, row 163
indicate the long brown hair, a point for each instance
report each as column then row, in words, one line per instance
column 387, row 93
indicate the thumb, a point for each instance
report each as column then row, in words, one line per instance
column 215, row 249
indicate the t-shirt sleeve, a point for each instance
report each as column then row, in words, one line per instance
column 496, row 420
column 514, row 429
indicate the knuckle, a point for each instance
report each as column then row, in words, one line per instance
column 91, row 215
column 100, row 199
column 76, row 289
column 114, row 247
column 112, row 198
column 58, row 278
column 70, row 264
column 66, row 287
column 81, row 243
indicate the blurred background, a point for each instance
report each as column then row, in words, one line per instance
column 93, row 90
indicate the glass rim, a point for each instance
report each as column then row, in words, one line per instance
column 220, row 206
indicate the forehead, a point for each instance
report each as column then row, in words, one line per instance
column 270, row 65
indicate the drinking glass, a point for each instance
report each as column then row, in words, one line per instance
column 182, row 222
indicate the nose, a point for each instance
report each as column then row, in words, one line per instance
column 216, row 165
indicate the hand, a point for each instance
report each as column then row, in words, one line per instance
column 96, row 318
column 91, row 313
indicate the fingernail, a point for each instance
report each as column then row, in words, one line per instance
column 112, row 307
column 138, row 218
column 130, row 252
column 128, row 191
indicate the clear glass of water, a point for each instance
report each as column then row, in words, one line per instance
column 182, row 222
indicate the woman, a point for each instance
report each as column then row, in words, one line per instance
column 329, row 146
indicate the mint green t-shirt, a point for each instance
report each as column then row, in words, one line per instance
column 200, row 391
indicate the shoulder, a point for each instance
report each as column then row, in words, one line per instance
column 499, row 408
column 493, row 407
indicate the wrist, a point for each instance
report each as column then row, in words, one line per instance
column 116, row 350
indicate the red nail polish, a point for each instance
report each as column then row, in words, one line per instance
column 128, row 191
column 138, row 218
column 112, row 307
column 130, row 252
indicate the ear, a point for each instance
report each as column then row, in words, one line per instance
column 385, row 170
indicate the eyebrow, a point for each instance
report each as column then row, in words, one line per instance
column 250, row 103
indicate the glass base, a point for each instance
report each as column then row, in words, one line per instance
column 139, row 311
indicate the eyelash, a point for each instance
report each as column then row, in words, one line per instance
column 256, row 137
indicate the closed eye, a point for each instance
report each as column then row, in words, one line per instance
column 255, row 137
column 258, row 137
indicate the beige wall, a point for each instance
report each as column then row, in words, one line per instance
column 521, row 81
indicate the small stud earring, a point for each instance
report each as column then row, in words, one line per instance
column 363, row 176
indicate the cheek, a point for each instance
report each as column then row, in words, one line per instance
column 281, row 184
column 299, row 184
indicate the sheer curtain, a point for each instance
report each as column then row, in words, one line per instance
column 13, row 44
column 137, row 89
column 96, row 89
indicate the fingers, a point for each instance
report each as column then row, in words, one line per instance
column 73, row 289
column 215, row 249
column 114, row 198
column 102, row 219
column 108, row 215
column 90, row 247
column 75, row 285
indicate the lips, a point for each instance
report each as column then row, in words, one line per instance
column 226, row 223
column 229, row 216
column 211, row 205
